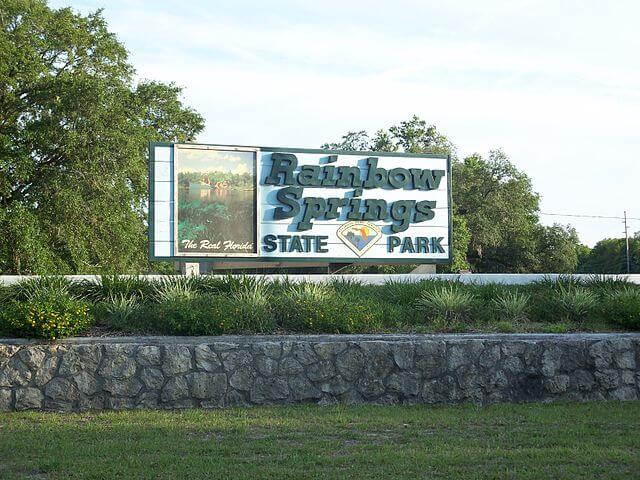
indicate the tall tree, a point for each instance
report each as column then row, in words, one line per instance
column 558, row 249
column 610, row 256
column 74, row 130
column 501, row 210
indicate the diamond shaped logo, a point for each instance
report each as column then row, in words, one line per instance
column 359, row 236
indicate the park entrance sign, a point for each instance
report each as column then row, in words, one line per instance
column 217, row 202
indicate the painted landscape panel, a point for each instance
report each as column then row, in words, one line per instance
column 216, row 210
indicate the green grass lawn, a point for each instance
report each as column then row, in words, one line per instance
column 596, row 440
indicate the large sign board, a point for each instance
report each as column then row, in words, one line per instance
column 219, row 202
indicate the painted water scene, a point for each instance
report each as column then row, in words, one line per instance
column 216, row 202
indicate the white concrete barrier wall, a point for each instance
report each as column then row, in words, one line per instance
column 375, row 279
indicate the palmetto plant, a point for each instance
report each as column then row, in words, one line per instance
column 175, row 288
column 512, row 306
column 576, row 303
column 448, row 302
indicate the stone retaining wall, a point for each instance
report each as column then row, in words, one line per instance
column 183, row 372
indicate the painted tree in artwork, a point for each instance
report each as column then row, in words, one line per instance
column 74, row 130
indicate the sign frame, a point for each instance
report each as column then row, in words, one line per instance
column 256, row 257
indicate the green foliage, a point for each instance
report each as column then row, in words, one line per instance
column 175, row 288
column 118, row 311
column 74, row 130
column 203, row 315
column 622, row 307
column 116, row 286
column 46, row 316
column 575, row 303
column 338, row 315
column 511, row 306
column 609, row 256
column 558, row 249
column 40, row 287
column 450, row 303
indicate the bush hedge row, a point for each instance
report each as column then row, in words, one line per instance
column 53, row 308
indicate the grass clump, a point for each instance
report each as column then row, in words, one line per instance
column 511, row 306
column 576, row 303
column 622, row 307
column 447, row 306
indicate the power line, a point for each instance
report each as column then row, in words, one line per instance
column 586, row 216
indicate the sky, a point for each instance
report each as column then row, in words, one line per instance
column 555, row 84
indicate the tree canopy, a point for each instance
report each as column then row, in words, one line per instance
column 74, row 130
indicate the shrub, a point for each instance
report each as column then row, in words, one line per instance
column 623, row 307
column 203, row 315
column 118, row 312
column 447, row 303
column 511, row 306
column 40, row 287
column 115, row 286
column 46, row 316
column 336, row 315
column 575, row 303
column 174, row 288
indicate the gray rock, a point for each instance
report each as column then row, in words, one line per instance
column 302, row 389
column 266, row 390
column 583, row 380
column 350, row 363
column 328, row 350
column 370, row 387
column 608, row 379
column 431, row 366
column 624, row 393
column 551, row 360
column 117, row 367
column 119, row 403
column 335, row 386
column 152, row 378
column 626, row 359
column 404, row 383
column 403, row 354
column 86, row 383
column 237, row 359
column 242, row 378
column 378, row 359
column 497, row 379
column 290, row 366
column 176, row 388
column 602, row 354
column 513, row 365
column 627, row 377
column 458, row 356
column 491, row 355
column 32, row 357
column 6, row 402
column 29, row 398
column 233, row 398
column 441, row 390
column 266, row 366
column 430, row 347
column 86, row 357
column 207, row 359
column 207, row 386
column 147, row 400
column 556, row 384
column 122, row 387
column 177, row 359
column 62, row 390
column 271, row 350
column 148, row 355
column 46, row 371
column 303, row 353
column 320, row 371
column 15, row 373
